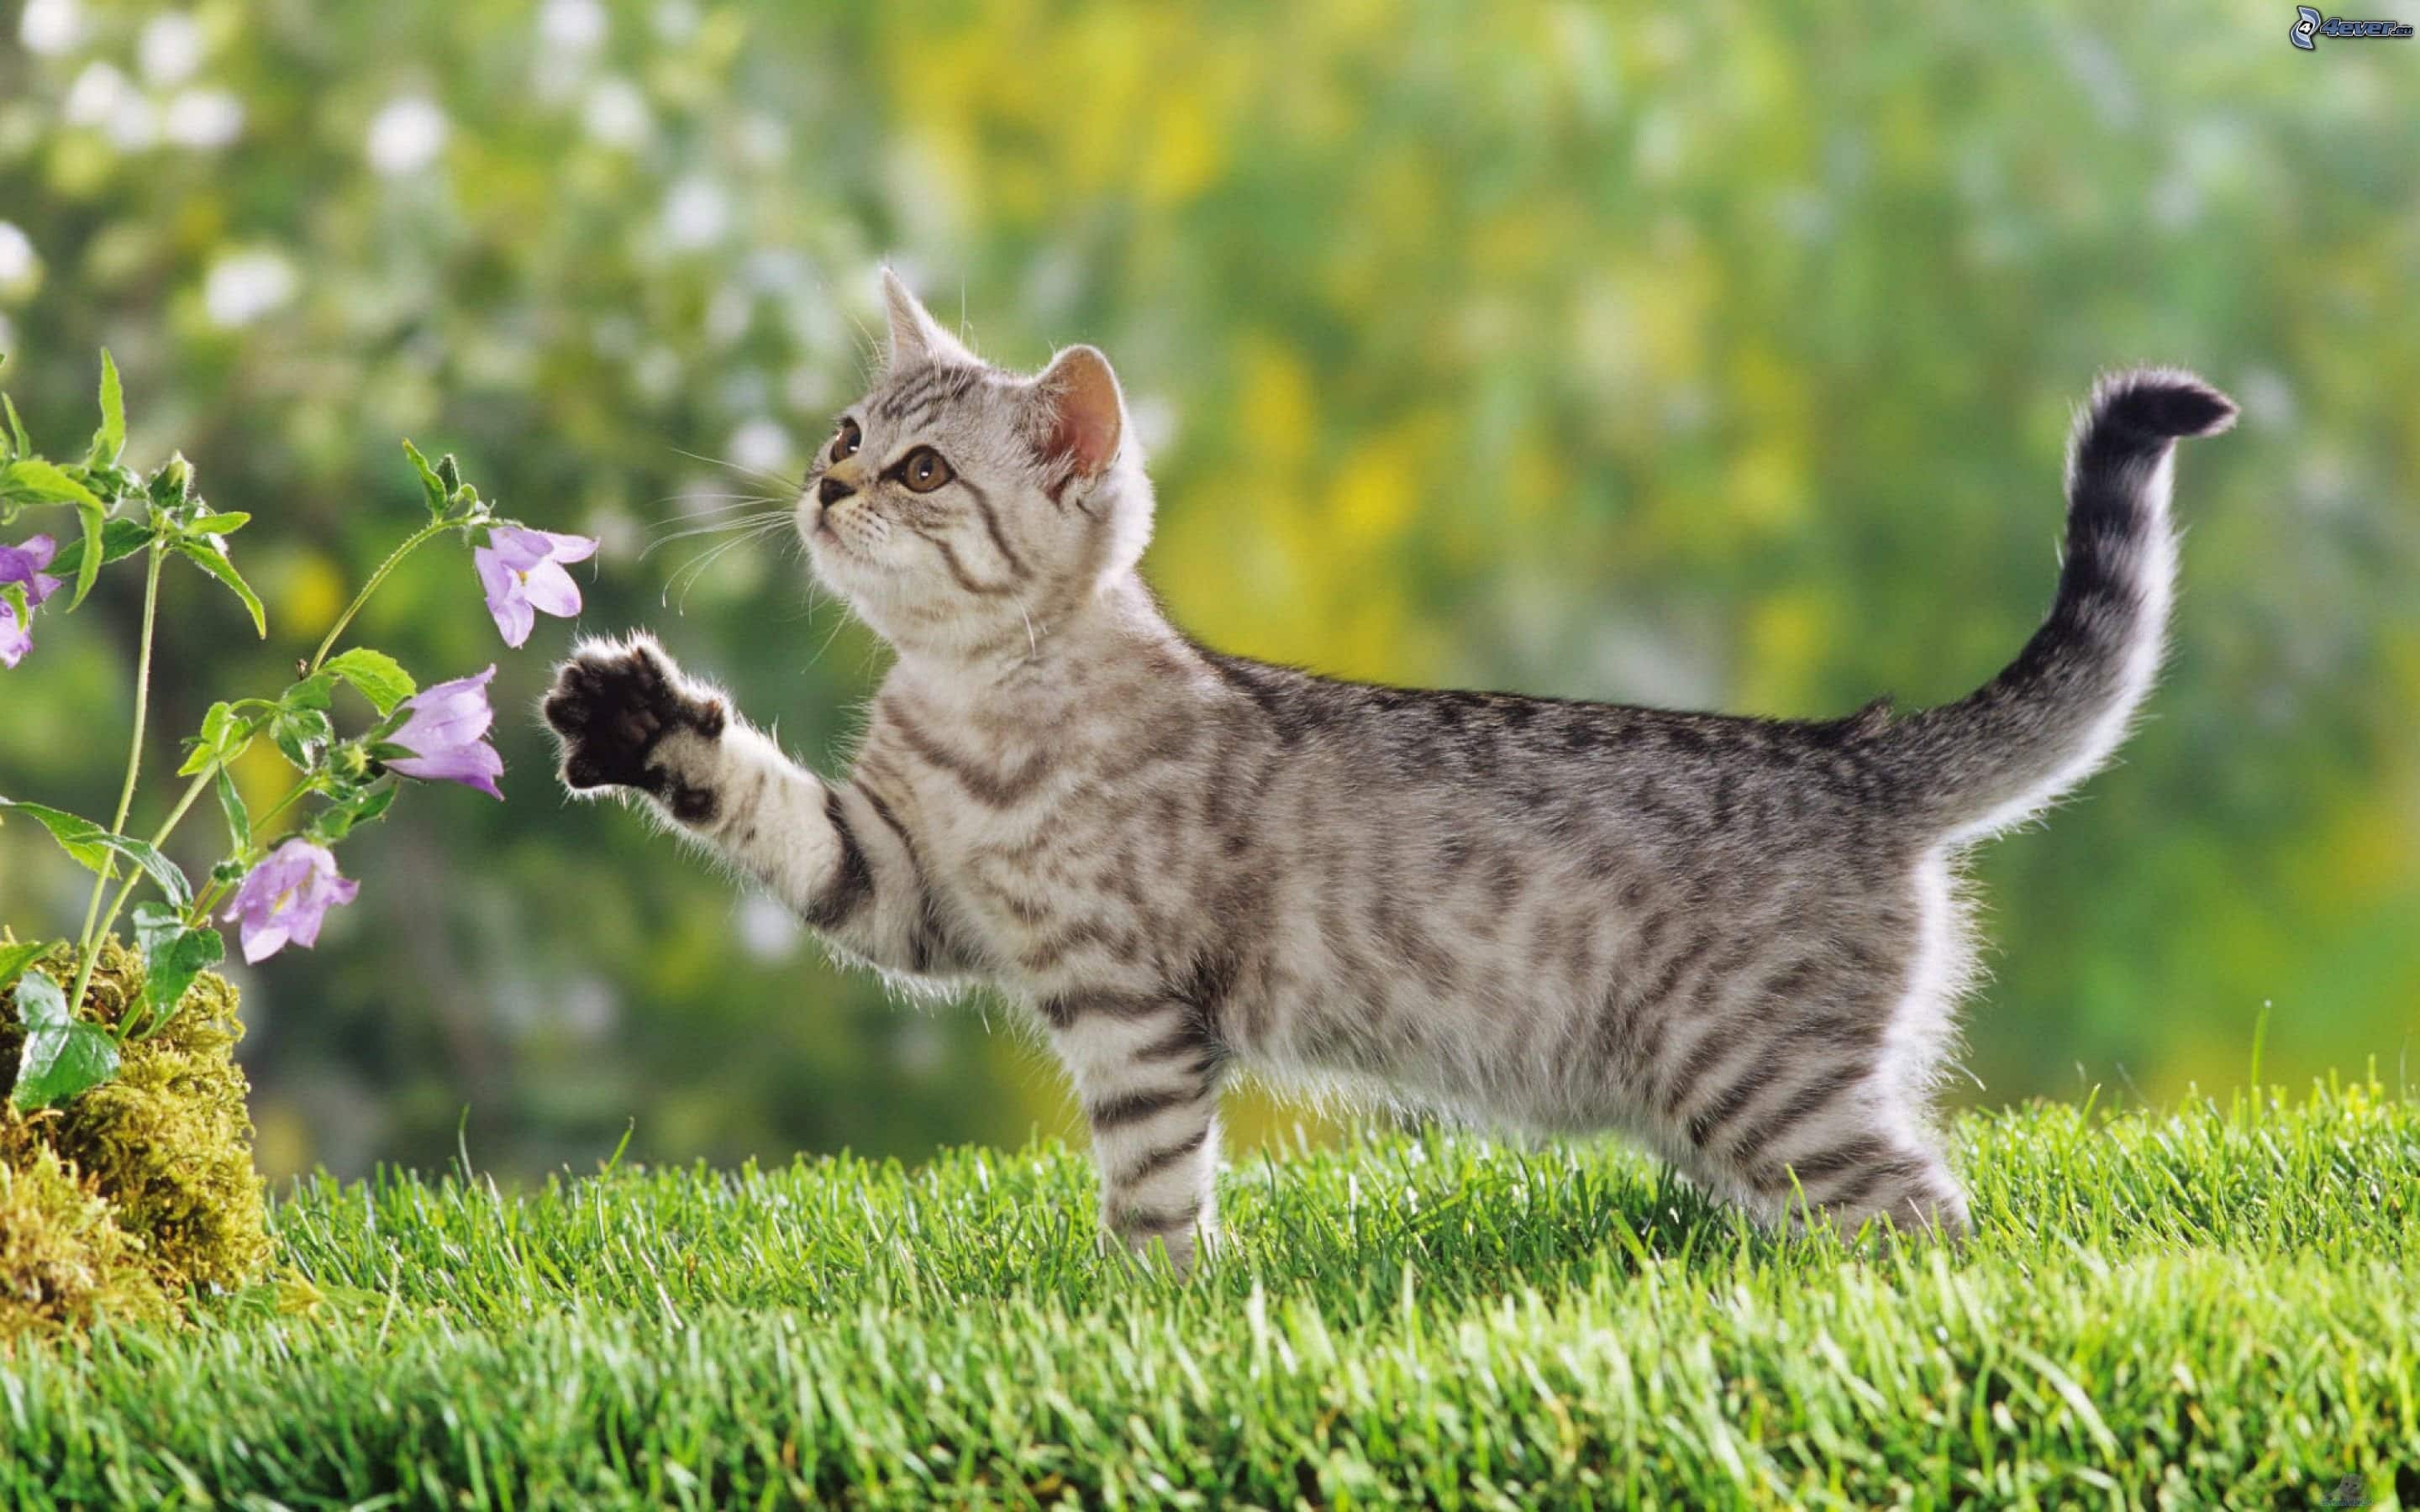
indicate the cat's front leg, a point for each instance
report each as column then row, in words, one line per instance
column 1147, row 1071
column 630, row 722
column 627, row 719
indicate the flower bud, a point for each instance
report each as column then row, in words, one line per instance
column 449, row 473
column 173, row 480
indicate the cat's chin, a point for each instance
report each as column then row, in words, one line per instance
column 845, row 571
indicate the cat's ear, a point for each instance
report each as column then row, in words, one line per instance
column 916, row 337
column 1079, row 417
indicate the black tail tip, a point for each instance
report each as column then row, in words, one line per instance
column 2160, row 404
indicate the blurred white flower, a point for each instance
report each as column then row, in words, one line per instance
column 657, row 375
column 919, row 1047
column 97, row 94
column 696, row 213
column 170, row 47
column 614, row 335
column 134, row 125
column 51, row 26
column 768, row 931
column 18, row 266
column 616, row 113
column 1155, row 421
column 675, row 21
column 727, row 314
column 203, row 118
column 406, row 136
column 760, row 446
column 808, row 387
column 242, row 286
column 2268, row 398
column 763, row 141
column 587, row 1008
column 575, row 25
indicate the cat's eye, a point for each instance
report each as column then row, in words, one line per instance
column 923, row 469
column 847, row 441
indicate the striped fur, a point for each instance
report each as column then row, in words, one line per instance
column 1736, row 940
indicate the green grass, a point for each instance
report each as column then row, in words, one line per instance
column 2212, row 1307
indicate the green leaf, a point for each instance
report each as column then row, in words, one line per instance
column 110, row 440
column 39, row 482
column 340, row 819
column 173, row 956
column 302, row 736
column 373, row 804
column 61, row 1058
column 120, row 539
column 239, row 818
column 429, row 483
column 14, row 958
column 214, row 562
column 317, row 691
column 220, row 524
column 378, row 676
column 226, row 733
column 17, row 427
column 94, row 848
column 91, row 518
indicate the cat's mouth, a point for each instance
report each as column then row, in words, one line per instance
column 822, row 533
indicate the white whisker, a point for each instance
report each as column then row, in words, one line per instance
column 736, row 501
column 684, row 578
column 775, row 479
column 750, row 522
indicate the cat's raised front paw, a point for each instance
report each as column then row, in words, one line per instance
column 615, row 705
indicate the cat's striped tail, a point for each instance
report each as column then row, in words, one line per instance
column 1988, row 761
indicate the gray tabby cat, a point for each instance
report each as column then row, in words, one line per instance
column 1737, row 941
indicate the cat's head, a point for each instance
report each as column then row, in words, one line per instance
column 966, row 510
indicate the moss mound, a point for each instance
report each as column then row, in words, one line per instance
column 139, row 1190
column 64, row 1258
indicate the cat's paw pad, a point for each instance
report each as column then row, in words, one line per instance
column 613, row 705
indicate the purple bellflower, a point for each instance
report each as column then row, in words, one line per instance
column 447, row 735
column 24, row 565
column 522, row 572
column 284, row 898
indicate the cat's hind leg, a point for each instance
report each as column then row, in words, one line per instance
column 1823, row 1143
column 1815, row 1117
column 1830, row 1150
column 1884, row 1173
column 1833, row 1120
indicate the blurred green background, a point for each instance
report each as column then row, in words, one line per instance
column 1696, row 355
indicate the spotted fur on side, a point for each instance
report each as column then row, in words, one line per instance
column 1738, row 941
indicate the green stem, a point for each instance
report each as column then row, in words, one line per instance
column 394, row 560
column 133, row 751
column 91, row 945
column 175, row 817
column 212, row 892
column 88, row 944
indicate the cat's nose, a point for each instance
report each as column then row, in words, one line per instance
column 832, row 490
